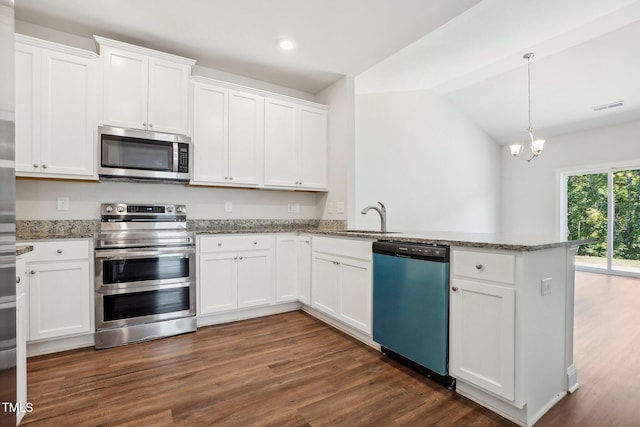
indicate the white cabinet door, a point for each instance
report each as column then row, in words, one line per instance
column 126, row 85
column 286, row 268
column 313, row 148
column 281, row 143
column 27, row 108
column 218, row 284
column 326, row 284
column 254, row 278
column 168, row 108
column 246, row 138
column 56, row 118
column 68, row 114
column 209, row 134
column 21, row 339
column 59, row 299
column 483, row 336
column 355, row 293
column 304, row 269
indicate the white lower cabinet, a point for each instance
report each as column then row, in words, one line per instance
column 21, row 339
column 341, row 280
column 304, row 269
column 60, row 288
column 482, row 335
column 234, row 272
column 508, row 314
column 287, row 268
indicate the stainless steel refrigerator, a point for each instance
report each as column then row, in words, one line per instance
column 7, row 219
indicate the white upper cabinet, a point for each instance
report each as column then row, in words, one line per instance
column 228, row 136
column 295, row 146
column 144, row 88
column 56, row 114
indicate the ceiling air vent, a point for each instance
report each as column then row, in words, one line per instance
column 608, row 106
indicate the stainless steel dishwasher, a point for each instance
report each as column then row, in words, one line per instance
column 411, row 306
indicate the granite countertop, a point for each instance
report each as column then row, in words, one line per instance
column 23, row 249
column 522, row 243
column 76, row 229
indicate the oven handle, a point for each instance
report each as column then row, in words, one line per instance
column 141, row 253
column 102, row 290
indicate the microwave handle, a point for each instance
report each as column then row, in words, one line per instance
column 176, row 156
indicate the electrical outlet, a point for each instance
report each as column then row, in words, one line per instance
column 63, row 203
column 290, row 207
column 228, row 207
column 296, row 208
column 545, row 286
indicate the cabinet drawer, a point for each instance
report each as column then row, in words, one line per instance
column 234, row 243
column 359, row 249
column 483, row 265
column 58, row 250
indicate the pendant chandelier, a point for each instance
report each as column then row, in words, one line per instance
column 536, row 145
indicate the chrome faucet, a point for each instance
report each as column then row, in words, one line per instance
column 382, row 211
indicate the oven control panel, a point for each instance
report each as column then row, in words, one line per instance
column 128, row 210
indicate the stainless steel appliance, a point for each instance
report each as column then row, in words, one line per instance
column 141, row 154
column 7, row 221
column 144, row 274
column 411, row 305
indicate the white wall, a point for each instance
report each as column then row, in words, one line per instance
column 530, row 191
column 431, row 167
column 340, row 98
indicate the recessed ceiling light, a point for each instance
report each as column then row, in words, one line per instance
column 286, row 44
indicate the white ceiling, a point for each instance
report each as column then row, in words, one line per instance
column 469, row 51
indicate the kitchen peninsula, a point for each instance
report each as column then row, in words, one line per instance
column 511, row 300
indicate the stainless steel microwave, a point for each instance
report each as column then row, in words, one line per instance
column 141, row 154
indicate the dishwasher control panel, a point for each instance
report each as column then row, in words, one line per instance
column 412, row 250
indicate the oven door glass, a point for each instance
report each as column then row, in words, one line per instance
column 145, row 303
column 130, row 270
column 136, row 153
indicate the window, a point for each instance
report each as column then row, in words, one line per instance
column 605, row 205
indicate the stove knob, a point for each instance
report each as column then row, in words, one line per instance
column 182, row 209
column 108, row 209
column 120, row 209
column 169, row 209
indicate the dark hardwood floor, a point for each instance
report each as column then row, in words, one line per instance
column 293, row 370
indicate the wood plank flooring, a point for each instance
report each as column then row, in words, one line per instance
column 283, row 370
column 293, row 370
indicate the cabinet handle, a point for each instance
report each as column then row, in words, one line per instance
column 219, row 244
column 18, row 279
column 240, row 257
column 150, row 125
column 454, row 289
column 144, row 124
column 44, row 166
column 235, row 257
column 32, row 272
column 35, row 165
column 230, row 178
column 255, row 243
column 59, row 251
column 479, row 266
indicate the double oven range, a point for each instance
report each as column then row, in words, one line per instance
column 144, row 274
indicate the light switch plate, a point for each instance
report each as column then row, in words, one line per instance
column 296, row 208
column 62, row 203
column 228, row 207
column 545, row 286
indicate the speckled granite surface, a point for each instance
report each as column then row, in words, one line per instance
column 61, row 229
column 23, row 249
column 69, row 229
